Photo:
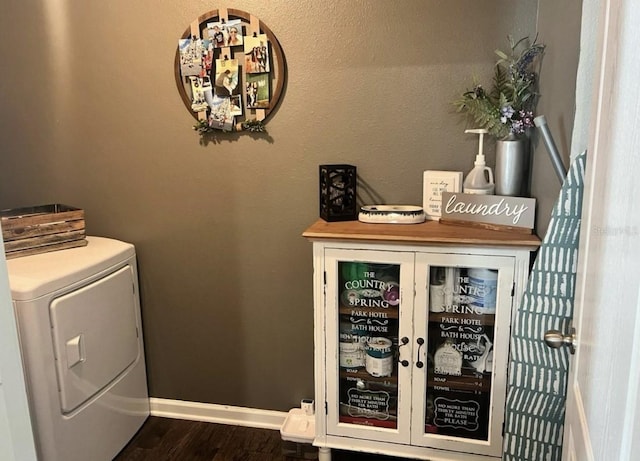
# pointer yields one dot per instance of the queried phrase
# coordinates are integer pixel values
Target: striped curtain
(536, 395)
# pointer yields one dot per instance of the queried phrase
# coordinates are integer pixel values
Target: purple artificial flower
(506, 112)
(527, 118)
(517, 127)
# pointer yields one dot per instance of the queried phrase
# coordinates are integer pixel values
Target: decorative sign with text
(369, 309)
(462, 307)
(498, 210)
(434, 184)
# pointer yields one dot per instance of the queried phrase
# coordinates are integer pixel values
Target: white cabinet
(412, 330)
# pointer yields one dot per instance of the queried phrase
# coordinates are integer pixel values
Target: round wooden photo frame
(276, 73)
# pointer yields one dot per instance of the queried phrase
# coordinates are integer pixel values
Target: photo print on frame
(207, 60)
(226, 78)
(236, 105)
(225, 33)
(191, 52)
(220, 116)
(256, 54)
(234, 33)
(198, 100)
(257, 91)
(216, 32)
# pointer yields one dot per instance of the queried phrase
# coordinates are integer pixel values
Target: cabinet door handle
(404, 341)
(419, 363)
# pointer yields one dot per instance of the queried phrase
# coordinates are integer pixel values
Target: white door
(603, 405)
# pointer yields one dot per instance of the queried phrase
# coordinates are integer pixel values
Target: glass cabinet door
(462, 321)
(369, 302)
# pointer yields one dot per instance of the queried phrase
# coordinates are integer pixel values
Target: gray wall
(90, 116)
(559, 28)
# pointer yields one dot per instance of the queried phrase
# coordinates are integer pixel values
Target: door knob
(555, 339)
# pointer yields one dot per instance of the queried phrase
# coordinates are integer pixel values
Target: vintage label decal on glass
(460, 340)
(369, 404)
(457, 414)
(447, 360)
(369, 306)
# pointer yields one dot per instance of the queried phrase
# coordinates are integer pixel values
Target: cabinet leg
(324, 454)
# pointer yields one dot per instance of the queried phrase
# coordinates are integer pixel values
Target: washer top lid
(31, 277)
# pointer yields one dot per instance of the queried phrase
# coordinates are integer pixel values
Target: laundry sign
(498, 210)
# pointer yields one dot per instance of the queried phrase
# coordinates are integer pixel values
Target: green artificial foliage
(508, 107)
(202, 127)
(256, 126)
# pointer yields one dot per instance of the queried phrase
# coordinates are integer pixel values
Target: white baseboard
(214, 413)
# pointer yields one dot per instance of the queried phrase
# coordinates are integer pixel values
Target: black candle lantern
(338, 193)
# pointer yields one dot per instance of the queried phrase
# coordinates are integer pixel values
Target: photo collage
(220, 83)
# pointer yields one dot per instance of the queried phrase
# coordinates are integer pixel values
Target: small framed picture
(434, 184)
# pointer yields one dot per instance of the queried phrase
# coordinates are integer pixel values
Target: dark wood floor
(163, 439)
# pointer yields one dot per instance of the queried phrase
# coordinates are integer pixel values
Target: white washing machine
(78, 317)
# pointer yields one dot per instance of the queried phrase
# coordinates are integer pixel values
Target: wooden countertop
(429, 232)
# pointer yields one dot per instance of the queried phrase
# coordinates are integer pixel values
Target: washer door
(95, 336)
